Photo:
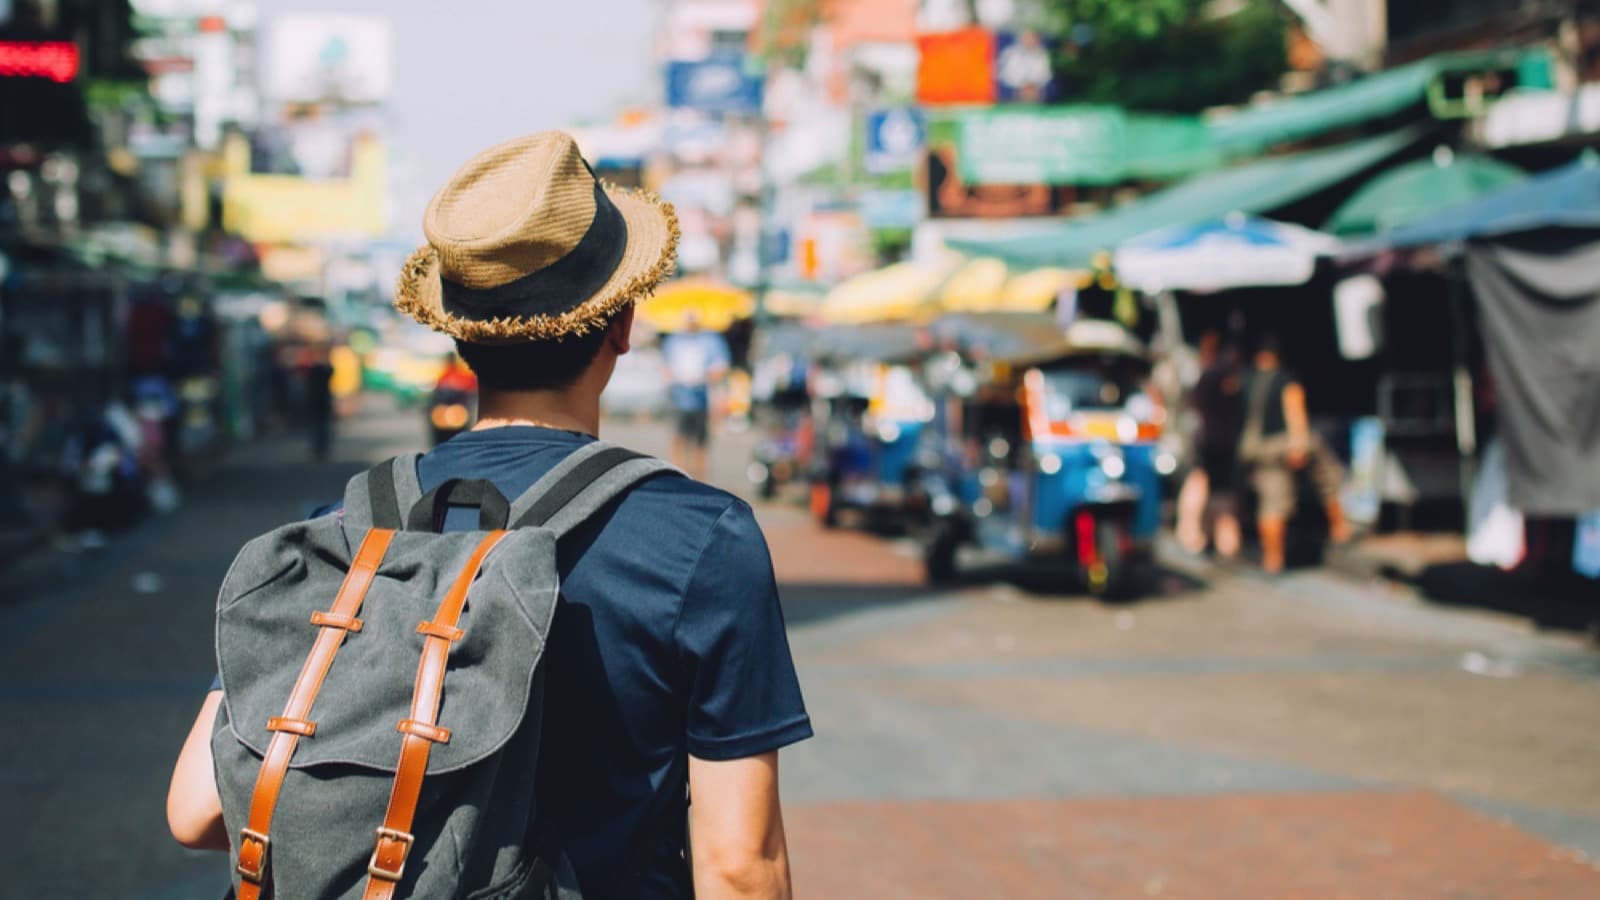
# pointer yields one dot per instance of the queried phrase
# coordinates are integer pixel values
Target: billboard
(1047, 145)
(283, 208)
(952, 197)
(328, 57)
(716, 85)
(1022, 71)
(956, 67)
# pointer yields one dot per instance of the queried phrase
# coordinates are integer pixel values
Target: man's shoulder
(685, 500)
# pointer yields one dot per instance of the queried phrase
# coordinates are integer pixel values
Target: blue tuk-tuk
(1051, 449)
(869, 411)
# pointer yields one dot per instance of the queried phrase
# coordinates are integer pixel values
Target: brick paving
(1372, 846)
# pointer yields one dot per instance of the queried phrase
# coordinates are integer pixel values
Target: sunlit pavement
(1228, 737)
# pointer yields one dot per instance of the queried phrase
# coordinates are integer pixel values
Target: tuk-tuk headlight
(757, 473)
(944, 505)
(889, 432)
(1166, 463)
(1113, 466)
(1127, 429)
(1049, 464)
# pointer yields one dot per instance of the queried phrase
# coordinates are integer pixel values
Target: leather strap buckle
(440, 630)
(434, 733)
(253, 847)
(376, 869)
(335, 620)
(293, 726)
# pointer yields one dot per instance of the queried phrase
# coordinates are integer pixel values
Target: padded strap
(380, 496)
(287, 729)
(570, 494)
(421, 731)
(521, 505)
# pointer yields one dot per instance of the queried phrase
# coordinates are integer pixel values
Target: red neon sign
(55, 60)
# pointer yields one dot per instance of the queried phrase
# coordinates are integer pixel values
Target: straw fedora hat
(525, 244)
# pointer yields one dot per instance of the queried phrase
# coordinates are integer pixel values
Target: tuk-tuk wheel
(1107, 577)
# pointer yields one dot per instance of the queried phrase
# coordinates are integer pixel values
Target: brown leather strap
(421, 730)
(288, 728)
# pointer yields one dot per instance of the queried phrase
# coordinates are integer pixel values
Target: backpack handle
(428, 513)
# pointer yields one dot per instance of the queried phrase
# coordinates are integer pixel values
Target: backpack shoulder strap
(580, 485)
(381, 496)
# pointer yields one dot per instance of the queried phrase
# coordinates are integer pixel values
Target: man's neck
(569, 410)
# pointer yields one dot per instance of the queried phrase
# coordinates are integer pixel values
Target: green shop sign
(1077, 145)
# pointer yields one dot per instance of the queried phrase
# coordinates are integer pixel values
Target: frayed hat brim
(649, 259)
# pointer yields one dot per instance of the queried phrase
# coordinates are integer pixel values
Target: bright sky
(469, 73)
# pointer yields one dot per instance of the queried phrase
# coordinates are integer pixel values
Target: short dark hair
(548, 365)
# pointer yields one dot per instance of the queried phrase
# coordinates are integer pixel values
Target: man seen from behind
(669, 682)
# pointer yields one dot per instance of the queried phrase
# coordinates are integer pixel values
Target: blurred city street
(1175, 423)
(1225, 737)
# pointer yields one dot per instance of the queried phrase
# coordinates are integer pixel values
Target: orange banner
(956, 67)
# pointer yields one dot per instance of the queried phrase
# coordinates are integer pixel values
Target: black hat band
(557, 288)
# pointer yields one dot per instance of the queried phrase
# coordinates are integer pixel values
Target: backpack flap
(264, 633)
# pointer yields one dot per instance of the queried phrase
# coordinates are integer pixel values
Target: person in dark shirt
(1209, 492)
(669, 671)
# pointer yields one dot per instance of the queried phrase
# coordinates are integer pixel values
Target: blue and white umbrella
(1232, 252)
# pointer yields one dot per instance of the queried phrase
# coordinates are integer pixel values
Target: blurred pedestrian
(695, 361)
(1276, 444)
(664, 686)
(1209, 492)
(317, 372)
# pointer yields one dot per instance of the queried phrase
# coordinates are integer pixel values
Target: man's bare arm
(736, 835)
(1299, 424)
(194, 811)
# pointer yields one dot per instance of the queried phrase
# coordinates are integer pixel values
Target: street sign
(718, 85)
(894, 139)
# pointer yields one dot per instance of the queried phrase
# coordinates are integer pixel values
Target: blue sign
(894, 139)
(892, 209)
(716, 85)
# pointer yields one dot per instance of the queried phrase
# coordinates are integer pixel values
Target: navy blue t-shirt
(668, 641)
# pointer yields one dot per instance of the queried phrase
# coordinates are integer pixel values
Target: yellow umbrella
(717, 306)
(901, 291)
(975, 287)
(1034, 291)
(793, 302)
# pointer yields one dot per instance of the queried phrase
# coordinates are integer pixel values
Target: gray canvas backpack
(382, 689)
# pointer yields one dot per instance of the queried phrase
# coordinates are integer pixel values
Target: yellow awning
(717, 306)
(975, 287)
(899, 292)
(1035, 291)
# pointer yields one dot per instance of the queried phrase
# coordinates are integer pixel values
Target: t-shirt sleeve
(744, 696)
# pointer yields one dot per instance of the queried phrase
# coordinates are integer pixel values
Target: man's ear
(619, 335)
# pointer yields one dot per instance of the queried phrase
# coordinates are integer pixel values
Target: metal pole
(1466, 419)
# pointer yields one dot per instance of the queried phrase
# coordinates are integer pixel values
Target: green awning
(1367, 99)
(1418, 189)
(1258, 188)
